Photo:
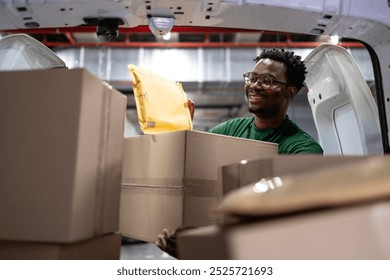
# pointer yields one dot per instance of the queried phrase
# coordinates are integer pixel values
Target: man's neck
(263, 123)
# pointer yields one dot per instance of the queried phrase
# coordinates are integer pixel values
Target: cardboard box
(60, 170)
(171, 179)
(349, 233)
(337, 211)
(240, 174)
(106, 247)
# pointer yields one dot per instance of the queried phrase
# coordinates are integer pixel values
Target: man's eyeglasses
(265, 81)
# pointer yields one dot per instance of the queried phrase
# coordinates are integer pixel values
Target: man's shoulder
(292, 128)
(299, 141)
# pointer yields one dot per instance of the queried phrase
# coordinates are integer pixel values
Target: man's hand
(191, 107)
(167, 242)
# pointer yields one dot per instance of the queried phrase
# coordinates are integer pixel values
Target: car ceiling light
(167, 36)
(334, 39)
(161, 26)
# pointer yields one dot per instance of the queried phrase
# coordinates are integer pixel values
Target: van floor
(132, 249)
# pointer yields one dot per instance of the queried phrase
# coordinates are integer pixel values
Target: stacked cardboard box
(325, 208)
(171, 179)
(62, 136)
(102, 247)
(349, 233)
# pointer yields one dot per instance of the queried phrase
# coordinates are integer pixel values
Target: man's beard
(263, 113)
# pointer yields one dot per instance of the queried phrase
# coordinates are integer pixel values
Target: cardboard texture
(334, 186)
(238, 174)
(174, 180)
(145, 211)
(106, 247)
(61, 155)
(326, 208)
(348, 233)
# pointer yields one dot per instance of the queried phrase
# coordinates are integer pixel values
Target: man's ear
(292, 91)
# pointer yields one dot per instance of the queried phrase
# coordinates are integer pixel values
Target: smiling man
(276, 78)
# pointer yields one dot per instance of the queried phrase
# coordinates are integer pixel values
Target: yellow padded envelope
(162, 104)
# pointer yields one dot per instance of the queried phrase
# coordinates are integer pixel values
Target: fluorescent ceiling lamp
(334, 39)
(167, 36)
(161, 25)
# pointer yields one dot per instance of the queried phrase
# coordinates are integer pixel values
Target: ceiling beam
(73, 35)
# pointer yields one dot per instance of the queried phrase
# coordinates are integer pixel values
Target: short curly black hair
(295, 67)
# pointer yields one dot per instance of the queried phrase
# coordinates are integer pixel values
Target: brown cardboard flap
(334, 186)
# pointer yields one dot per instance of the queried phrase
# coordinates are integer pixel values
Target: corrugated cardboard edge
(107, 214)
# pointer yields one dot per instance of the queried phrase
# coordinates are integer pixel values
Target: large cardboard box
(61, 155)
(349, 233)
(339, 210)
(171, 179)
(106, 247)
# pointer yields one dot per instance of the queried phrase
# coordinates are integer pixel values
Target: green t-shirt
(291, 139)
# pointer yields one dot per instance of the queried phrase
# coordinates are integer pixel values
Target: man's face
(271, 102)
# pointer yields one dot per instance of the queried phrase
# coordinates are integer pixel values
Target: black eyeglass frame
(259, 78)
